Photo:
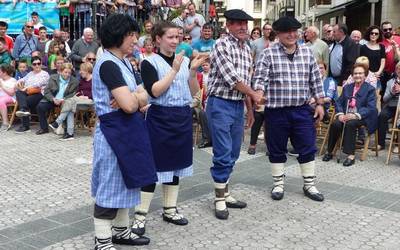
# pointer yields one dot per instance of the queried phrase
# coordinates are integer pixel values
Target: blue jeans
(226, 124)
(294, 123)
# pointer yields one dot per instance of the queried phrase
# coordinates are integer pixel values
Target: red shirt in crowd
(390, 63)
(9, 42)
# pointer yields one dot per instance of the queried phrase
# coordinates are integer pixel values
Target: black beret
(236, 14)
(286, 23)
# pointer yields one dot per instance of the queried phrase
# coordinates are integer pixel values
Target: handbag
(33, 90)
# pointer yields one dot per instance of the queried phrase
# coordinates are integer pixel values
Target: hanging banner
(17, 15)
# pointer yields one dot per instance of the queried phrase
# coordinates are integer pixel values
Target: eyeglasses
(374, 33)
(92, 59)
(388, 29)
(36, 64)
(29, 27)
(187, 38)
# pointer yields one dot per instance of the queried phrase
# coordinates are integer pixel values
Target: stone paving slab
(293, 223)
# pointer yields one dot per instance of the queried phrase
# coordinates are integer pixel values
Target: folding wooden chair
(394, 134)
(323, 130)
(12, 110)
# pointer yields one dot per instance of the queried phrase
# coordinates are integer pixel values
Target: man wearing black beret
(229, 84)
(289, 75)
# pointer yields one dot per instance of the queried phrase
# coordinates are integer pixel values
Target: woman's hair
(148, 40)
(8, 69)
(36, 58)
(398, 65)
(360, 65)
(88, 67)
(52, 45)
(115, 28)
(160, 28)
(368, 33)
(66, 66)
(256, 29)
(323, 63)
(60, 58)
(363, 60)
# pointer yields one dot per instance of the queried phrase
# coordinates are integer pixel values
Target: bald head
(356, 36)
(312, 33)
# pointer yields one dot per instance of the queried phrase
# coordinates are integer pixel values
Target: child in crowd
(5, 57)
(7, 91)
(54, 51)
(23, 69)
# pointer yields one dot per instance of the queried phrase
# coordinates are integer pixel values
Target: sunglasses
(29, 27)
(36, 64)
(187, 38)
(374, 33)
(92, 59)
(329, 31)
(386, 30)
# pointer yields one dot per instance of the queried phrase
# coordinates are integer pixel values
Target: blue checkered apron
(177, 95)
(108, 187)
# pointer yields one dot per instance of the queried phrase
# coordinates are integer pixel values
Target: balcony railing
(319, 2)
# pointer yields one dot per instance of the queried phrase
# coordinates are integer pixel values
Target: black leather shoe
(327, 157)
(42, 131)
(180, 222)
(237, 204)
(348, 162)
(141, 241)
(222, 214)
(251, 151)
(313, 196)
(277, 195)
(204, 145)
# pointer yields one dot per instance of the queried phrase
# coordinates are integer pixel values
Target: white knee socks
(278, 176)
(308, 173)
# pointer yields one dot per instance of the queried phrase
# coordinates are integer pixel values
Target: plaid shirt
(230, 63)
(287, 83)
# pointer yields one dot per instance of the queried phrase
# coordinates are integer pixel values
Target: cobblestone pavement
(45, 202)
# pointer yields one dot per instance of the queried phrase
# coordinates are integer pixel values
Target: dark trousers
(294, 123)
(42, 109)
(386, 114)
(350, 134)
(255, 129)
(205, 132)
(27, 102)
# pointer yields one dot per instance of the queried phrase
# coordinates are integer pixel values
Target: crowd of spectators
(59, 68)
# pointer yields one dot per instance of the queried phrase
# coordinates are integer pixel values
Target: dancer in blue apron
(170, 82)
(123, 160)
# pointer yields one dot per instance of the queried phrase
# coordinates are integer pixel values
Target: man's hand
(258, 97)
(342, 118)
(114, 104)
(250, 119)
(319, 113)
(396, 89)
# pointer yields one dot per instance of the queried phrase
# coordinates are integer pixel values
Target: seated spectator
(330, 89)
(59, 90)
(148, 48)
(148, 26)
(82, 47)
(23, 69)
(90, 58)
(5, 57)
(58, 63)
(25, 43)
(7, 92)
(41, 46)
(371, 78)
(29, 92)
(3, 33)
(81, 101)
(390, 100)
(353, 113)
(54, 52)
